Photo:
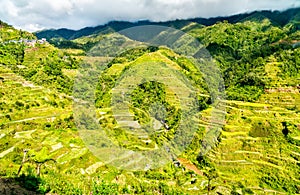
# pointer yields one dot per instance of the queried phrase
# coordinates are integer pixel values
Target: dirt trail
(30, 119)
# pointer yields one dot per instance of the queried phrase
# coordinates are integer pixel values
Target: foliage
(99, 188)
(260, 140)
(279, 181)
(30, 182)
(243, 50)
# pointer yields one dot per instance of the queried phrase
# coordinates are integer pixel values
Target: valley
(256, 150)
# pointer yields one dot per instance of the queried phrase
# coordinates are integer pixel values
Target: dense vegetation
(258, 150)
(242, 51)
(242, 46)
(42, 64)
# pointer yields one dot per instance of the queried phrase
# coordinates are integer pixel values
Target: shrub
(260, 129)
(104, 188)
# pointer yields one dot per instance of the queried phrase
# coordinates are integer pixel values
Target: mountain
(278, 18)
(102, 29)
(45, 91)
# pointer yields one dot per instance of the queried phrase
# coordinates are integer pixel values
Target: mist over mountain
(75, 109)
(35, 15)
(276, 17)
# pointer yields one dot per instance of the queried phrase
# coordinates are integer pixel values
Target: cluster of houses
(30, 43)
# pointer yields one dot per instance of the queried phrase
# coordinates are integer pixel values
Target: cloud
(34, 15)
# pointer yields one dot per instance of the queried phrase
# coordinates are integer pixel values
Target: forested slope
(257, 151)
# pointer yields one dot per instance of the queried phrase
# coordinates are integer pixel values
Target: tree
(211, 174)
(39, 158)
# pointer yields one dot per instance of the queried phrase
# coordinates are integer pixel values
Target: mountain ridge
(257, 152)
(281, 18)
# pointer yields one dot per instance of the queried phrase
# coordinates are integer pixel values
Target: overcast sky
(33, 15)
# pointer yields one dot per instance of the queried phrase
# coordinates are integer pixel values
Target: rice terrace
(184, 105)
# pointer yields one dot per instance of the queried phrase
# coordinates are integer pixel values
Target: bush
(33, 183)
(104, 188)
(260, 129)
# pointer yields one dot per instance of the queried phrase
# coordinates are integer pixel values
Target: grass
(238, 152)
(251, 151)
(47, 123)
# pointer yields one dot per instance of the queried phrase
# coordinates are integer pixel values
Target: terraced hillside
(259, 147)
(257, 151)
(39, 121)
(36, 119)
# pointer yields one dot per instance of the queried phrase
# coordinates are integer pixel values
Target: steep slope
(257, 151)
(253, 139)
